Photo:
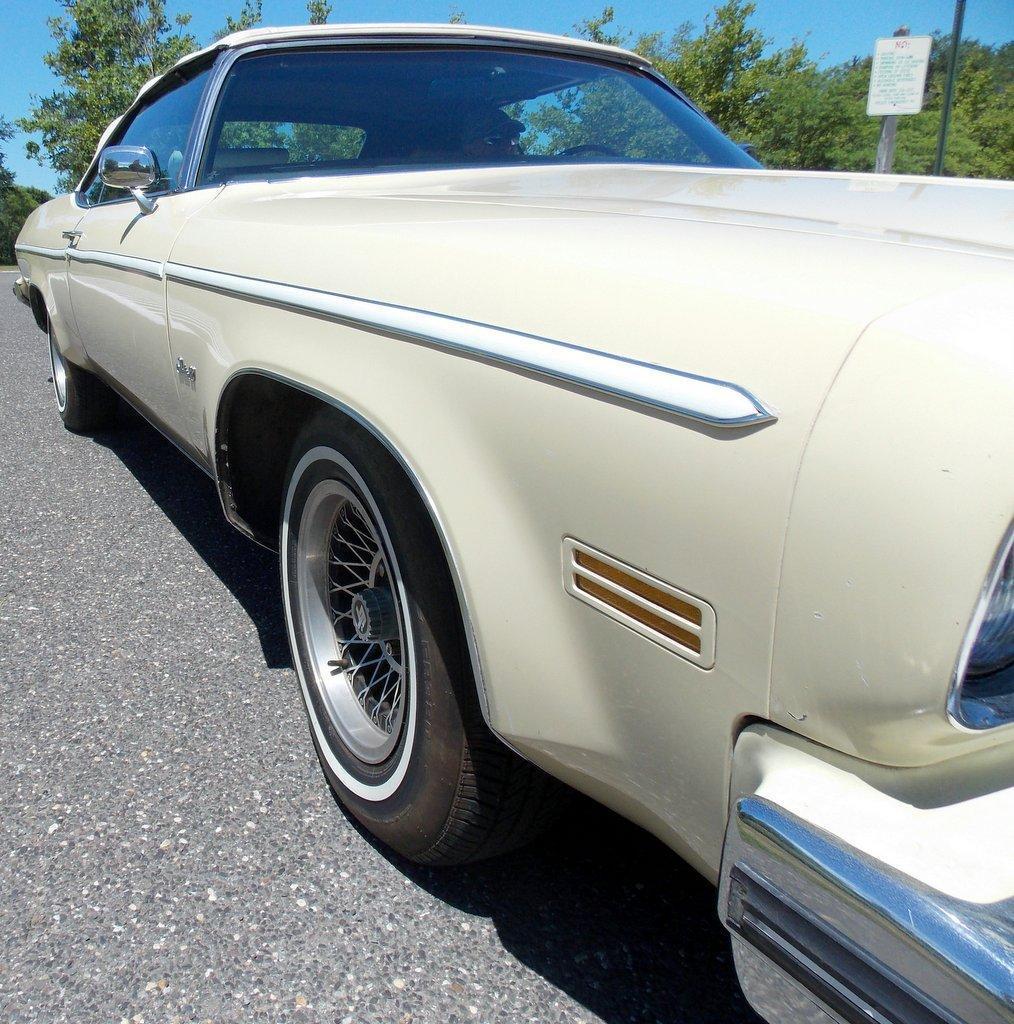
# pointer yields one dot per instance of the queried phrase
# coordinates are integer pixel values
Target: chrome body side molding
(42, 250)
(714, 402)
(135, 264)
(150, 268)
(816, 923)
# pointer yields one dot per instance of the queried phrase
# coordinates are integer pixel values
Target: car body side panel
(515, 463)
(565, 685)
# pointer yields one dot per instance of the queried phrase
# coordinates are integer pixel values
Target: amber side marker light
(678, 621)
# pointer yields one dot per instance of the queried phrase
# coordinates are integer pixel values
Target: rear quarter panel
(48, 270)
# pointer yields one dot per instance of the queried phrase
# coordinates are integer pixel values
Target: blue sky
(833, 29)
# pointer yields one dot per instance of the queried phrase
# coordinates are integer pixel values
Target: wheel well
(258, 421)
(38, 304)
(259, 418)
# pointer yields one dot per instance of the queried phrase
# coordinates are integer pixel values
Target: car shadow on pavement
(190, 500)
(606, 913)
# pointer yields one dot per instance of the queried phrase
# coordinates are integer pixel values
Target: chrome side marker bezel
(680, 622)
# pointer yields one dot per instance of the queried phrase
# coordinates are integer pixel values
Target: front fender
(905, 491)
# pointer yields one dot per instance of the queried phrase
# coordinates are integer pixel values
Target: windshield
(292, 112)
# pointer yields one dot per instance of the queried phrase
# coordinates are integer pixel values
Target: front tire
(83, 401)
(380, 650)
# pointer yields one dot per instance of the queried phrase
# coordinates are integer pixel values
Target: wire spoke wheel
(349, 593)
(381, 651)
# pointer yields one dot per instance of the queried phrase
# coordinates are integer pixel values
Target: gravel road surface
(170, 850)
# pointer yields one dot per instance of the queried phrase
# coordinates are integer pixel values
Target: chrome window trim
(223, 60)
(202, 123)
(229, 57)
(715, 403)
(955, 713)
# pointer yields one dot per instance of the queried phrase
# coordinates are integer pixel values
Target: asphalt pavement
(169, 850)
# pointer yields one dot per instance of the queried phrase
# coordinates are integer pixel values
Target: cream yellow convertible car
(593, 452)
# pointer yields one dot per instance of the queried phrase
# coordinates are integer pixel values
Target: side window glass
(164, 127)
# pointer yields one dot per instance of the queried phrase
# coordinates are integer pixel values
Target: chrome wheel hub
(353, 619)
(373, 614)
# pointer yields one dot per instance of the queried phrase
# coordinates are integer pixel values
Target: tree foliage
(105, 51)
(799, 115)
(318, 11)
(16, 203)
(249, 16)
(6, 134)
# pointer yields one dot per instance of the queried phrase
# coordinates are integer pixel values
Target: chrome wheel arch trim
(453, 563)
(715, 403)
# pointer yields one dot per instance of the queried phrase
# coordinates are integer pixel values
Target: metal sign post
(897, 82)
(952, 68)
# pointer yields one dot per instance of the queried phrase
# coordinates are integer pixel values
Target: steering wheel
(590, 147)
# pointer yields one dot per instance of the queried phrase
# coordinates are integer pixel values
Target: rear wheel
(84, 402)
(379, 646)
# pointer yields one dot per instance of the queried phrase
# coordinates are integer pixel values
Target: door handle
(72, 236)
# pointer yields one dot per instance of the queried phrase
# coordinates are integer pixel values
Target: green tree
(249, 16)
(798, 115)
(727, 68)
(16, 203)
(105, 51)
(981, 140)
(319, 11)
(457, 16)
(602, 30)
(6, 177)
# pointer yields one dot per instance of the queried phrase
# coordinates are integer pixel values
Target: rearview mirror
(131, 167)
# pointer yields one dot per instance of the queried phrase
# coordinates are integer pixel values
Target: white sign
(898, 77)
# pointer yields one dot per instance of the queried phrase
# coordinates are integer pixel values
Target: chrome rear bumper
(821, 929)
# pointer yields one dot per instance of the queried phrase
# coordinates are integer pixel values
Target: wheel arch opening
(258, 421)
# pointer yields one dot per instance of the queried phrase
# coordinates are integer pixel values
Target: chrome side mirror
(133, 168)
